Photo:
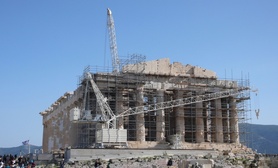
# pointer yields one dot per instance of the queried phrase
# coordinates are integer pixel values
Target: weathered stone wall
(164, 67)
(58, 130)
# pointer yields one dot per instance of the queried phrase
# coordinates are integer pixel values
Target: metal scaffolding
(211, 120)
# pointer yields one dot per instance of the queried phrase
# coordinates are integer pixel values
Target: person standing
(62, 163)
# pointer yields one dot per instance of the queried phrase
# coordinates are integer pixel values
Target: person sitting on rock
(170, 162)
(97, 163)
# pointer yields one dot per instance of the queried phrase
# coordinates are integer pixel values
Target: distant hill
(263, 138)
(23, 149)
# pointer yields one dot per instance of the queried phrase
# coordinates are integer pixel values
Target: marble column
(45, 137)
(179, 116)
(119, 109)
(160, 118)
(218, 121)
(234, 122)
(199, 123)
(208, 121)
(140, 121)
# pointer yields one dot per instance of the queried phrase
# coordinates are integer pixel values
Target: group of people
(13, 161)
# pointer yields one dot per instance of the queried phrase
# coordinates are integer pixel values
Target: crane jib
(181, 102)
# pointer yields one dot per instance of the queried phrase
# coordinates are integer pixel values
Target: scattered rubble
(226, 159)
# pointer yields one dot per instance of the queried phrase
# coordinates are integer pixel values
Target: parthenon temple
(197, 120)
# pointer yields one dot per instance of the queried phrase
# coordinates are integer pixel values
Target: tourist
(97, 163)
(170, 162)
(62, 163)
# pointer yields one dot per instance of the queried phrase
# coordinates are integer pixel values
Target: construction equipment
(179, 102)
(107, 131)
(106, 111)
(113, 43)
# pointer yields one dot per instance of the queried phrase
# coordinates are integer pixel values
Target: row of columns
(215, 126)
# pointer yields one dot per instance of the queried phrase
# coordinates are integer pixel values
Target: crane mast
(112, 41)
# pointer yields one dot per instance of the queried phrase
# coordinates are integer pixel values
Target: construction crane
(108, 131)
(179, 102)
(113, 43)
(106, 112)
(148, 108)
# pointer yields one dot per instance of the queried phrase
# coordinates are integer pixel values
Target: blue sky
(45, 45)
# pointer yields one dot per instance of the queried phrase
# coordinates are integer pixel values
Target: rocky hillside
(264, 138)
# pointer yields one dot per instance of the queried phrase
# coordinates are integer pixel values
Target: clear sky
(45, 45)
